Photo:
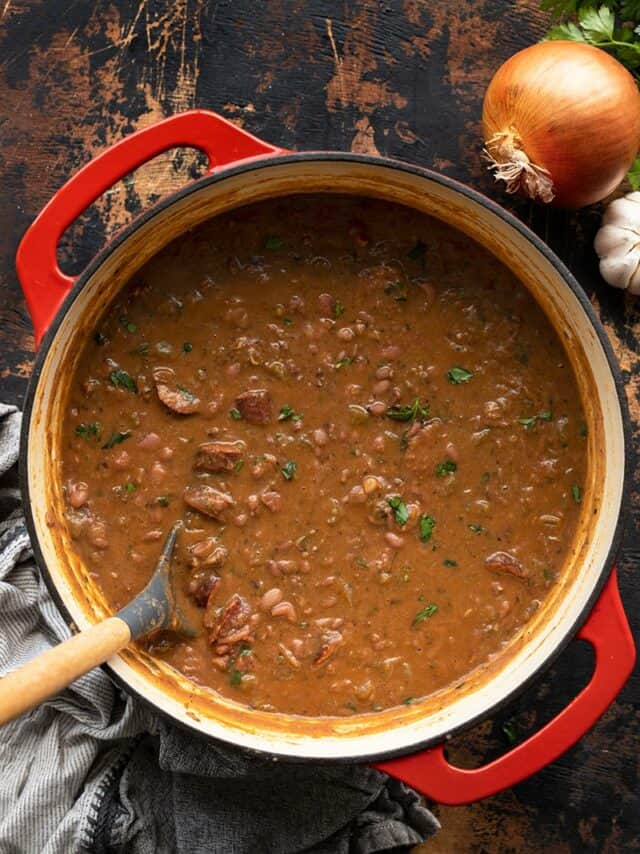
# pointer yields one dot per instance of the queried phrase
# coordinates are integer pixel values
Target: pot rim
(265, 162)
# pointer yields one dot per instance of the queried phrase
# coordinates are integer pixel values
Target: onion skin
(573, 111)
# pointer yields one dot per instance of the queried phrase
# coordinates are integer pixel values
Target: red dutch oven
(407, 743)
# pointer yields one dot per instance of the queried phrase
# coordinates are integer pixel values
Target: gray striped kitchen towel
(93, 772)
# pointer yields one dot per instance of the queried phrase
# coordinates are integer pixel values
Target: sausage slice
(255, 406)
(218, 456)
(176, 398)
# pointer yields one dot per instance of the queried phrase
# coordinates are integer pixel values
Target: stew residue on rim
(372, 433)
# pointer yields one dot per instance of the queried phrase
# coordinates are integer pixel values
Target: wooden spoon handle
(57, 668)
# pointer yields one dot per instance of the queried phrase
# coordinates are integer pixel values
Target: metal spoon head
(155, 607)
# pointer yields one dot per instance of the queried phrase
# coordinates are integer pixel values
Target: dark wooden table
(405, 79)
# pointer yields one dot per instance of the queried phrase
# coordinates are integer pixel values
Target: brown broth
(410, 498)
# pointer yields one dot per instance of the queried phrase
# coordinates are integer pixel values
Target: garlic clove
(626, 209)
(621, 270)
(614, 239)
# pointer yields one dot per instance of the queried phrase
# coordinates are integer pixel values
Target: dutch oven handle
(607, 630)
(43, 283)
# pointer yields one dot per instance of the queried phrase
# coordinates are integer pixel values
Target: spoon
(152, 609)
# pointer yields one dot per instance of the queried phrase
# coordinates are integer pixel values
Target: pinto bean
(272, 500)
(284, 609)
(270, 598)
(507, 563)
(77, 494)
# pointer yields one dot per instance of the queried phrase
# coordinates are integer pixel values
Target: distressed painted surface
(403, 78)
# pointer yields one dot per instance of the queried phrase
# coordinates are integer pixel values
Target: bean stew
(371, 431)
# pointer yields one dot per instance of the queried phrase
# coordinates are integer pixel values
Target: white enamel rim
(489, 225)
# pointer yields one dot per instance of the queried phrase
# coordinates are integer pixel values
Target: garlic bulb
(618, 243)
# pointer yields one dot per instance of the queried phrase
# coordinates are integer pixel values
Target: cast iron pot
(406, 742)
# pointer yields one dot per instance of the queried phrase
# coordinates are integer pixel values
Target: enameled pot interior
(396, 730)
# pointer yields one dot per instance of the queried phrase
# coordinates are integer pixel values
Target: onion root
(510, 163)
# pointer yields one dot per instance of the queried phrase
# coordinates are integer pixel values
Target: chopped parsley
(529, 423)
(287, 321)
(341, 363)
(130, 486)
(121, 379)
(426, 524)
(162, 500)
(576, 493)
(289, 469)
(286, 413)
(235, 678)
(187, 347)
(126, 324)
(425, 613)
(548, 573)
(477, 529)
(117, 438)
(445, 468)
(142, 349)
(273, 242)
(407, 701)
(237, 467)
(99, 338)
(188, 395)
(484, 477)
(459, 375)
(584, 430)
(400, 512)
(510, 732)
(448, 562)
(362, 562)
(418, 252)
(88, 429)
(412, 412)
(338, 310)
(235, 414)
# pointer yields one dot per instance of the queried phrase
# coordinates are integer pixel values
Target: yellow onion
(561, 123)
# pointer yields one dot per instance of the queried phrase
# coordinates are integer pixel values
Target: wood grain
(404, 78)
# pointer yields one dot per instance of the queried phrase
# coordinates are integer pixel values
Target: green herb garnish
(362, 562)
(121, 379)
(142, 349)
(287, 321)
(510, 731)
(426, 524)
(425, 613)
(187, 347)
(88, 429)
(484, 477)
(162, 500)
(99, 338)
(459, 375)
(235, 678)
(237, 467)
(413, 412)
(477, 529)
(407, 701)
(117, 438)
(286, 412)
(400, 512)
(188, 395)
(448, 562)
(130, 487)
(576, 493)
(272, 242)
(338, 310)
(445, 468)
(529, 423)
(126, 324)
(289, 469)
(584, 430)
(235, 414)
(342, 363)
